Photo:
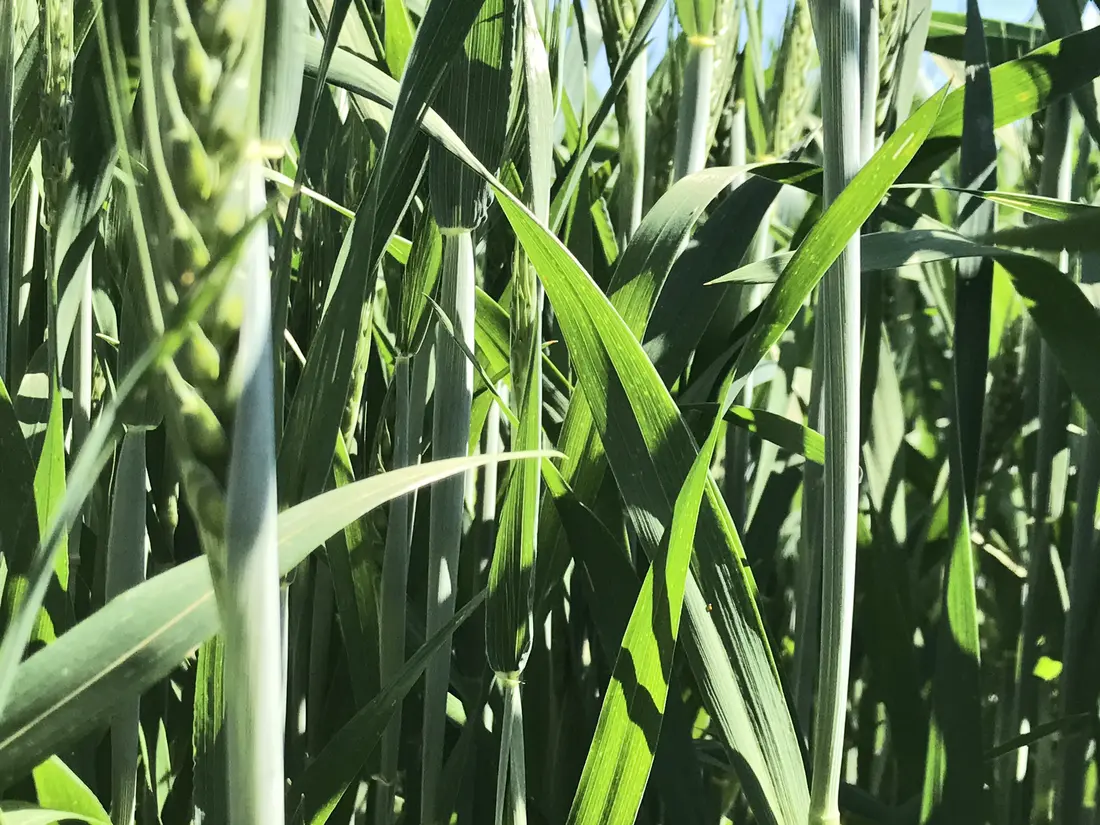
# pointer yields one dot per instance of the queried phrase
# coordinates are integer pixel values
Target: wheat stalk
(202, 121)
(7, 69)
(474, 99)
(617, 19)
(56, 30)
(836, 25)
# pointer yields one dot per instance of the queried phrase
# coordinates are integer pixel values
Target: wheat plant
(519, 411)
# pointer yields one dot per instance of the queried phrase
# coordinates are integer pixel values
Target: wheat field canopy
(492, 412)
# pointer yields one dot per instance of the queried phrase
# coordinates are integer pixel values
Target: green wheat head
(789, 94)
(56, 27)
(892, 16)
(1036, 137)
(205, 135)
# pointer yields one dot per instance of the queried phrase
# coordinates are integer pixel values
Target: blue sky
(775, 11)
(1014, 10)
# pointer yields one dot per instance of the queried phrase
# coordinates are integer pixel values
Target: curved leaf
(1005, 41)
(779, 430)
(59, 788)
(72, 685)
(1067, 320)
(1020, 88)
(650, 450)
(15, 813)
(1043, 207)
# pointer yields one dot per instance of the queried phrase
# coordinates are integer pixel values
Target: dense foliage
(399, 423)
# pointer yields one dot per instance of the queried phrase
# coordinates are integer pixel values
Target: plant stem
(21, 287)
(837, 29)
(53, 353)
(296, 599)
(738, 140)
(808, 605)
(1083, 569)
(1054, 182)
(511, 800)
(320, 645)
(733, 480)
(869, 75)
(82, 393)
(395, 576)
(752, 295)
(454, 383)
(7, 82)
(490, 476)
(1076, 695)
(693, 129)
(251, 605)
(631, 186)
(420, 383)
(126, 556)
